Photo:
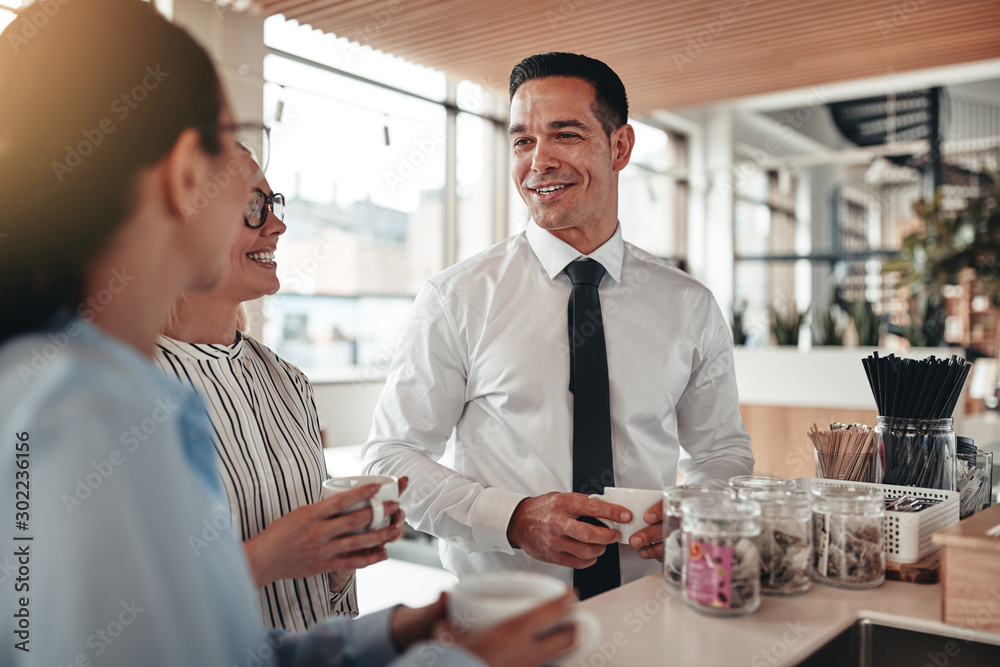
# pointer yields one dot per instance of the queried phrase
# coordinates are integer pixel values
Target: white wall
(345, 411)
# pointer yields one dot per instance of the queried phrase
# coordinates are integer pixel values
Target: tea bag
(746, 572)
(849, 549)
(673, 557)
(785, 560)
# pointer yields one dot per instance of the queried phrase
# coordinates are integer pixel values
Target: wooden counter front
(778, 435)
(970, 572)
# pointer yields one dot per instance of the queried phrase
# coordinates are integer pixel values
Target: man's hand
(546, 528)
(649, 540)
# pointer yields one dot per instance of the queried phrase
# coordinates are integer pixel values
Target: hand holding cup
(323, 537)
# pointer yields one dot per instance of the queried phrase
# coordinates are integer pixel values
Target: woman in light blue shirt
(123, 548)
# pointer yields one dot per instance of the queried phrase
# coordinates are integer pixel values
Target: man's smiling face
(564, 165)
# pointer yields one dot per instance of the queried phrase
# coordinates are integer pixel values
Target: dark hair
(94, 92)
(610, 102)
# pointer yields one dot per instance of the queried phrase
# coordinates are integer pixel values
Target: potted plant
(739, 329)
(951, 241)
(831, 323)
(785, 326)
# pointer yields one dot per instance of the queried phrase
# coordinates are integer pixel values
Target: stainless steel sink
(870, 642)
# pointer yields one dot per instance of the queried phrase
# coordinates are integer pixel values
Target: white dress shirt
(485, 360)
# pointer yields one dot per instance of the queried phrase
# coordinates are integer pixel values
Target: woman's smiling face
(253, 271)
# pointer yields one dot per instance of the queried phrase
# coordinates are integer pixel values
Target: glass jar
(673, 553)
(721, 573)
(762, 483)
(918, 452)
(849, 536)
(849, 467)
(975, 478)
(786, 533)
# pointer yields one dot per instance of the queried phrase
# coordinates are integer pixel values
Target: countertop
(646, 623)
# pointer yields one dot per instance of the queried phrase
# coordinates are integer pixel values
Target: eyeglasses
(255, 137)
(255, 212)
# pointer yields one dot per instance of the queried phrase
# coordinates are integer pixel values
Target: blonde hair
(170, 321)
(241, 319)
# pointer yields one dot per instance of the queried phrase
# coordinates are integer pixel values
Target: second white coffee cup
(481, 601)
(636, 501)
(388, 491)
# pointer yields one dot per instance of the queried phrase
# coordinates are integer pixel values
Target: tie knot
(586, 271)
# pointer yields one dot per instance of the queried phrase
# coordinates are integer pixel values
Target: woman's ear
(186, 176)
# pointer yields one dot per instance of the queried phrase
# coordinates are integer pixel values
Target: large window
(652, 199)
(360, 148)
(770, 277)
(6, 16)
(362, 169)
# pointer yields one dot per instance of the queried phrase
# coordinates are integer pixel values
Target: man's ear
(622, 141)
(186, 170)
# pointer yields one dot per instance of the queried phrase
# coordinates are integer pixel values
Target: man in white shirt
(486, 358)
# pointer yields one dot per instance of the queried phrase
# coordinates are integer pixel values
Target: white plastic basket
(907, 534)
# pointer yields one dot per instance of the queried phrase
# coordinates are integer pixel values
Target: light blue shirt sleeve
(131, 557)
(126, 555)
(363, 642)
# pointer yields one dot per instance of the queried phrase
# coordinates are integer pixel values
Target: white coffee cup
(480, 601)
(636, 501)
(388, 491)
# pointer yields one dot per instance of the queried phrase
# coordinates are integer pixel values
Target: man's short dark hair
(610, 102)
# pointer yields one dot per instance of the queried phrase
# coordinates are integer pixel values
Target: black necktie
(593, 463)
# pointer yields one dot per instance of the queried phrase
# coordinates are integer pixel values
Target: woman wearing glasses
(266, 432)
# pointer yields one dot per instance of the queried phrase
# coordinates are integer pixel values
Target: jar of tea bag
(673, 552)
(849, 536)
(785, 540)
(762, 483)
(721, 573)
(975, 478)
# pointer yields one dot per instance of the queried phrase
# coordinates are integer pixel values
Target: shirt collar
(204, 351)
(555, 254)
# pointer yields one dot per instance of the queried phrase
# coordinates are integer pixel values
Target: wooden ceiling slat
(419, 22)
(773, 45)
(430, 25)
(727, 62)
(648, 40)
(731, 58)
(786, 41)
(758, 29)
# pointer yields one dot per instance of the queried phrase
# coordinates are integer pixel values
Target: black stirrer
(914, 381)
(954, 370)
(902, 372)
(888, 386)
(933, 382)
(877, 390)
(871, 382)
(956, 391)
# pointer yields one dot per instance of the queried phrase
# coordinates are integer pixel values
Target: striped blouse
(266, 433)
